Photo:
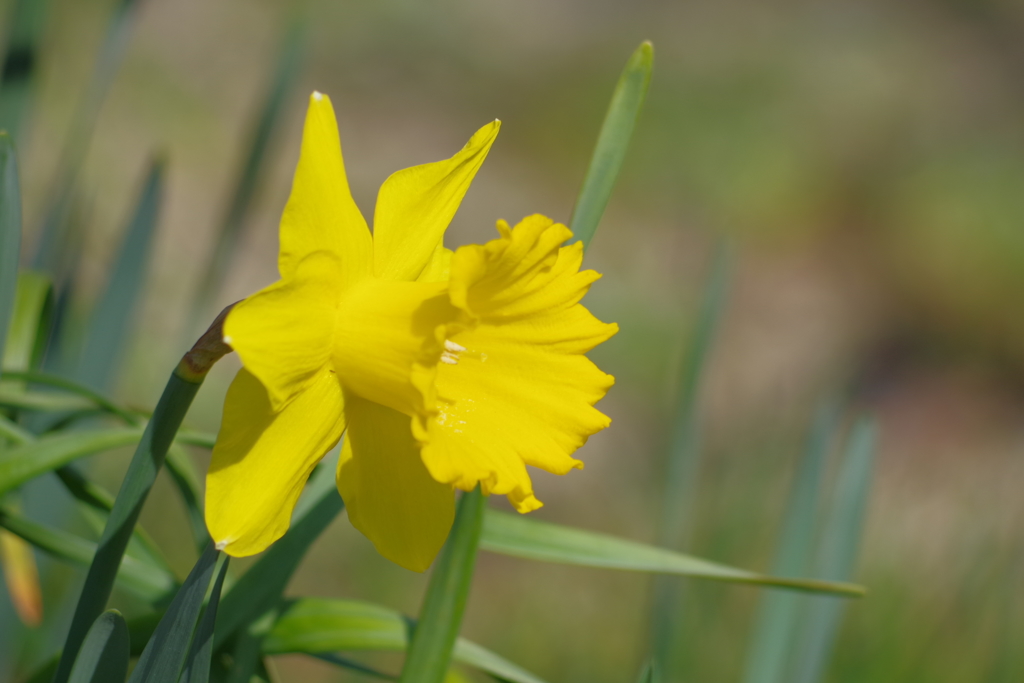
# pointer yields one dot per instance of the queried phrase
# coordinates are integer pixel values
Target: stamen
(451, 352)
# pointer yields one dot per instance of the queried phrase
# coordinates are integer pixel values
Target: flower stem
(433, 638)
(146, 463)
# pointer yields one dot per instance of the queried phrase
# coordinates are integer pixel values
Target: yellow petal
(389, 495)
(415, 206)
(262, 459)
(388, 338)
(283, 333)
(516, 389)
(438, 267)
(320, 214)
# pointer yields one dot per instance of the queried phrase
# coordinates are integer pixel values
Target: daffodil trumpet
(443, 370)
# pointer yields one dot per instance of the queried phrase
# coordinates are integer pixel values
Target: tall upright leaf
(53, 240)
(104, 654)
(20, 63)
(777, 618)
(164, 657)
(684, 464)
(10, 234)
(289, 62)
(110, 324)
(837, 553)
(433, 638)
(200, 654)
(612, 143)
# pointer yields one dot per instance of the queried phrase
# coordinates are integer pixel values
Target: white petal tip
(317, 95)
(221, 545)
(227, 339)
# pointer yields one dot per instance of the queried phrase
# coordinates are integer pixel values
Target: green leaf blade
(612, 143)
(10, 234)
(197, 665)
(23, 463)
(146, 463)
(104, 654)
(837, 554)
(319, 626)
(164, 656)
(778, 614)
(149, 581)
(521, 536)
(437, 629)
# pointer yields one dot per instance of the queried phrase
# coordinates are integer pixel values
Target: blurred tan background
(864, 158)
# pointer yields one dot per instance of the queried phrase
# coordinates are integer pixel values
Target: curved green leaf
(104, 654)
(148, 581)
(320, 625)
(22, 463)
(522, 536)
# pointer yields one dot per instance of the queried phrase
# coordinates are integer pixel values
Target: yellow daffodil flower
(447, 370)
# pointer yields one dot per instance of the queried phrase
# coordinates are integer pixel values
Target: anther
(449, 345)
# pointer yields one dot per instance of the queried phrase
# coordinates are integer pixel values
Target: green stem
(434, 635)
(146, 463)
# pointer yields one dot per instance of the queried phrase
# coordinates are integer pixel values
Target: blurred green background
(864, 160)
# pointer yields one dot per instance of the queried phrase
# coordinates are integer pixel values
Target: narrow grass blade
(319, 626)
(20, 63)
(54, 240)
(164, 656)
(91, 397)
(22, 578)
(684, 464)
(612, 143)
(521, 536)
(29, 324)
(110, 325)
(145, 465)
(200, 655)
(10, 234)
(104, 654)
(776, 626)
(837, 554)
(289, 62)
(147, 581)
(45, 403)
(22, 463)
(260, 589)
(434, 636)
